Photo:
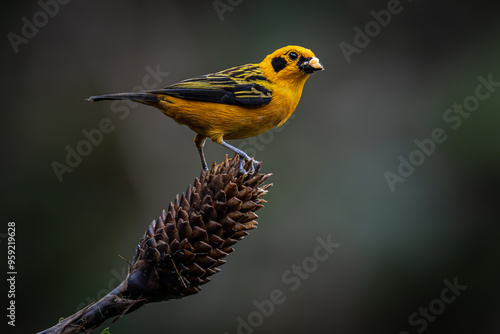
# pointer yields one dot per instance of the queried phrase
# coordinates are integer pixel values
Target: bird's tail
(137, 96)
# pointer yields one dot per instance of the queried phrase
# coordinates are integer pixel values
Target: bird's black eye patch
(293, 55)
(278, 64)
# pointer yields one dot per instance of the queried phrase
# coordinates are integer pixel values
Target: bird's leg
(243, 157)
(199, 141)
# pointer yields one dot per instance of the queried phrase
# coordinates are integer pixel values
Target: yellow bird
(240, 102)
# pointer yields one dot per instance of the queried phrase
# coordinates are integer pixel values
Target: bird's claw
(243, 161)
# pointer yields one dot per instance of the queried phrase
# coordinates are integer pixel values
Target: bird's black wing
(244, 85)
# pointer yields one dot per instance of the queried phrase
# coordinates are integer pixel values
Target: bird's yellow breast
(215, 120)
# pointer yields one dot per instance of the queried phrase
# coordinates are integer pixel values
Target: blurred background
(355, 123)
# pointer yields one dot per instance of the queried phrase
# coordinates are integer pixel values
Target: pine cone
(185, 246)
(187, 243)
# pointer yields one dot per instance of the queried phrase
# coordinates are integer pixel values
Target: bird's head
(291, 63)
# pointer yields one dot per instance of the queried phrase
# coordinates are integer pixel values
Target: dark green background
(352, 123)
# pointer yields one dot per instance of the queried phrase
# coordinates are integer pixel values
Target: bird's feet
(243, 158)
(243, 161)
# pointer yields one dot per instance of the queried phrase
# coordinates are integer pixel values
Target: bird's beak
(311, 65)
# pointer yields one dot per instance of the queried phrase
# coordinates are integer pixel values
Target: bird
(236, 103)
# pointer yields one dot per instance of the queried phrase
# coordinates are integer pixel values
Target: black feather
(139, 96)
